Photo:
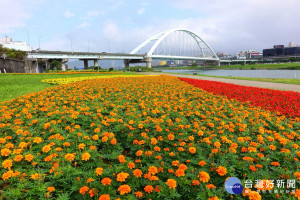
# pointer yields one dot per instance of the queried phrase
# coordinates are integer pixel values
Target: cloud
(141, 11)
(83, 25)
(12, 20)
(111, 31)
(68, 14)
(234, 25)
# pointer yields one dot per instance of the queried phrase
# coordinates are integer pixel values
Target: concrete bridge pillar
(148, 62)
(126, 63)
(86, 64)
(64, 67)
(96, 62)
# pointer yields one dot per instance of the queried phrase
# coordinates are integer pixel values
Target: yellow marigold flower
(99, 171)
(172, 184)
(81, 146)
(37, 140)
(86, 156)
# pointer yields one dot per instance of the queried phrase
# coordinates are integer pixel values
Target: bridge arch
(205, 51)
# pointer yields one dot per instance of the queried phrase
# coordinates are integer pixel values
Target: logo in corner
(233, 185)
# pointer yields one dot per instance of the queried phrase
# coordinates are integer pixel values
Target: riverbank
(288, 66)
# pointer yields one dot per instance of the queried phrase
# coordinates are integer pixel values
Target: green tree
(55, 64)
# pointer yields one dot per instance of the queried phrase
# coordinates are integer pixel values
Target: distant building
(248, 54)
(223, 55)
(292, 44)
(281, 51)
(10, 44)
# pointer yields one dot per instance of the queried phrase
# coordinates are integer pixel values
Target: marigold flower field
(151, 137)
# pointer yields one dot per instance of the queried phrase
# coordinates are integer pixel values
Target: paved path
(270, 85)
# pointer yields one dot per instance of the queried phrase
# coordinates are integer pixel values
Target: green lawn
(274, 80)
(14, 85)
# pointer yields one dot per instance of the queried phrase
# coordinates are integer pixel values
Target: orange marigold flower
(202, 163)
(70, 157)
(18, 158)
(104, 197)
(204, 176)
(37, 140)
(50, 189)
(179, 172)
(99, 171)
(297, 174)
(121, 159)
(148, 188)
(272, 147)
(211, 186)
(138, 194)
(5, 152)
(81, 146)
(124, 189)
(7, 163)
(195, 182)
(106, 181)
(46, 148)
(182, 166)
(252, 168)
(172, 184)
(131, 165)
(122, 176)
(275, 164)
(213, 198)
(113, 141)
(222, 171)
(7, 175)
(192, 150)
(152, 170)
(83, 190)
(35, 176)
(297, 193)
(254, 195)
(137, 173)
(86, 156)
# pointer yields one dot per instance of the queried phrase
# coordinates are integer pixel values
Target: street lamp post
(40, 42)
(71, 43)
(27, 37)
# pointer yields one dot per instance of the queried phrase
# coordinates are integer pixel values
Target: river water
(292, 74)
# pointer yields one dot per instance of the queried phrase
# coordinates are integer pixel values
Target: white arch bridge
(175, 44)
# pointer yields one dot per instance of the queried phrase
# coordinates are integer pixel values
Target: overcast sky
(121, 25)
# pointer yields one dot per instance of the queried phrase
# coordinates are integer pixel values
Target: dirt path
(270, 85)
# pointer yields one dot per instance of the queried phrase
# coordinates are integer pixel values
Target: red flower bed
(285, 102)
